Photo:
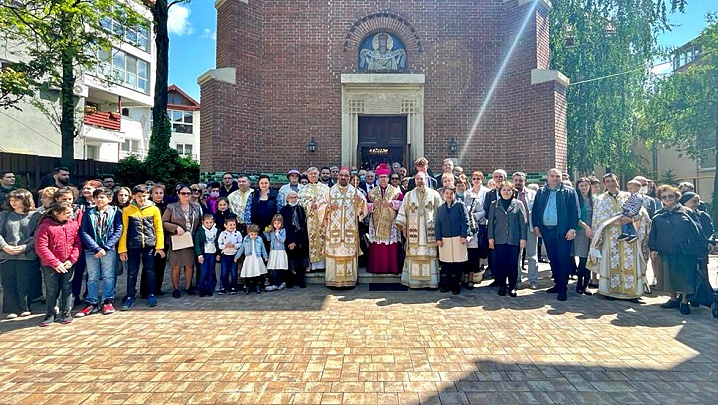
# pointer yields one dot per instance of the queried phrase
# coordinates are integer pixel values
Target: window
(707, 159)
(184, 149)
(131, 146)
(91, 152)
(181, 121)
(124, 69)
(137, 36)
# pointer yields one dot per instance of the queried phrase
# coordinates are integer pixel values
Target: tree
(682, 111)
(606, 47)
(57, 40)
(161, 158)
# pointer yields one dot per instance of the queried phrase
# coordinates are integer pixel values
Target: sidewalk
(317, 346)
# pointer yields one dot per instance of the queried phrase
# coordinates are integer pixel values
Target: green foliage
(52, 40)
(615, 41)
(668, 177)
(130, 171)
(682, 110)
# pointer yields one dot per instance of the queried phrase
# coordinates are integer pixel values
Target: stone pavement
(317, 346)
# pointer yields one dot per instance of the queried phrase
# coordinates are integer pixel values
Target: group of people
(439, 232)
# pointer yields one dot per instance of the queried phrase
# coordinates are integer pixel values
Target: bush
(130, 171)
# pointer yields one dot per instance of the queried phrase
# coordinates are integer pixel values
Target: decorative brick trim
(383, 20)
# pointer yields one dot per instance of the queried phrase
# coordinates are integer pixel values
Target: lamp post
(312, 145)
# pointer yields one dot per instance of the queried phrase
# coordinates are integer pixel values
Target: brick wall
(289, 58)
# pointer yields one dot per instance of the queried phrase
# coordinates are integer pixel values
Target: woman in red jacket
(58, 246)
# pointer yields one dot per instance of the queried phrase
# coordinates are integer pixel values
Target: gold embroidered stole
(341, 225)
(383, 217)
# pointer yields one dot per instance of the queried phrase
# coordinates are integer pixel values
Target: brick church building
(302, 83)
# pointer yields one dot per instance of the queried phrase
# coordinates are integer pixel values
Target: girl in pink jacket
(58, 246)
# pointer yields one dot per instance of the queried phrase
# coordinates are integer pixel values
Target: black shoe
(631, 239)
(470, 286)
(623, 236)
(444, 289)
(512, 293)
(592, 285)
(494, 284)
(302, 285)
(190, 291)
(176, 294)
(502, 291)
(561, 296)
(552, 290)
(456, 292)
(685, 309)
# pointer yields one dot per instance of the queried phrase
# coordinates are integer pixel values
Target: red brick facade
(289, 57)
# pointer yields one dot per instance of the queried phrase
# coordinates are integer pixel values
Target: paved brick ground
(317, 346)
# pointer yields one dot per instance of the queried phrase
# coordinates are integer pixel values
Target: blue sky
(193, 31)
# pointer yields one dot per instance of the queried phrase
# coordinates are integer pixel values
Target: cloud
(178, 20)
(207, 33)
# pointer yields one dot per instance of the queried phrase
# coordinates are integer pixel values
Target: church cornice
(383, 20)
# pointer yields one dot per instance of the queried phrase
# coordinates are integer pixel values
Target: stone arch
(384, 20)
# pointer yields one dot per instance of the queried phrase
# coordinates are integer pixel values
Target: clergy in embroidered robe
(310, 198)
(621, 265)
(417, 220)
(341, 208)
(384, 237)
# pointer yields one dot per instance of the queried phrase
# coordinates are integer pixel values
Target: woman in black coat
(297, 242)
(507, 232)
(679, 242)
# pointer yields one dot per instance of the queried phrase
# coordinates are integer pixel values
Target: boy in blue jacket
(100, 231)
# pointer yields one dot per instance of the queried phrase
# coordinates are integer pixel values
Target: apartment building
(113, 101)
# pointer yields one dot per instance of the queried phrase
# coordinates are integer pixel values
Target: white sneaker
(26, 313)
(11, 316)
(271, 288)
(282, 286)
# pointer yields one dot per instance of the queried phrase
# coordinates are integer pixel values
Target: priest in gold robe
(310, 199)
(620, 264)
(384, 238)
(417, 220)
(341, 208)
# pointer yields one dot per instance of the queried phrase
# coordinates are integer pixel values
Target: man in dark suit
(369, 181)
(422, 165)
(555, 217)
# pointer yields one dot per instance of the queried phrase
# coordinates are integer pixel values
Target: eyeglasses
(668, 197)
(184, 193)
(394, 178)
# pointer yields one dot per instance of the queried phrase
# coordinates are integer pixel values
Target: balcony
(102, 119)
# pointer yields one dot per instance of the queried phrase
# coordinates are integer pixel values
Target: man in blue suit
(555, 217)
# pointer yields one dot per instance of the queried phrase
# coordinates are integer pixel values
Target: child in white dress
(278, 263)
(255, 255)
